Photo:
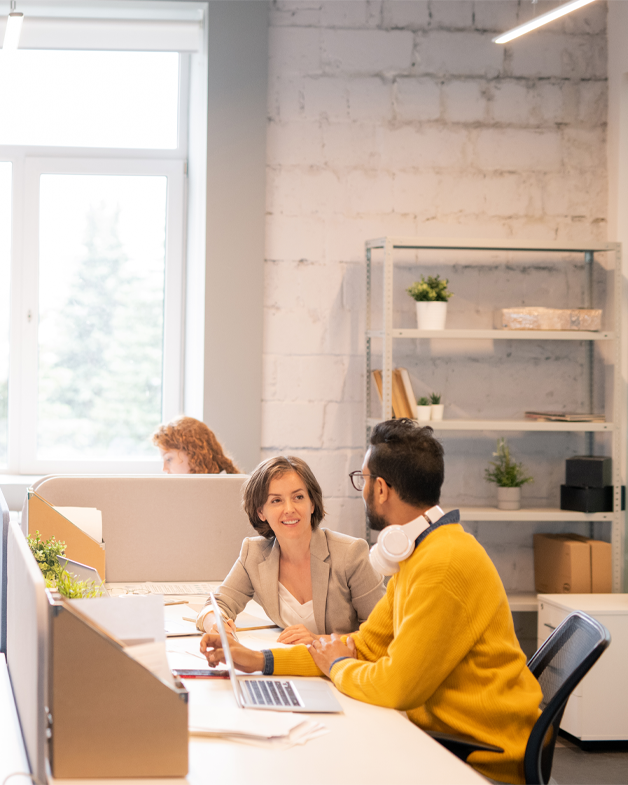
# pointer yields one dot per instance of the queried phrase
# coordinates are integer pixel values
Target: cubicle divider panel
(27, 646)
(161, 528)
(111, 717)
(4, 533)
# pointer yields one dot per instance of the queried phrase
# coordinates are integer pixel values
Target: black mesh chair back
(559, 665)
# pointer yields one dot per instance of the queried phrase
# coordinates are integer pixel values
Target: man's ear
(382, 490)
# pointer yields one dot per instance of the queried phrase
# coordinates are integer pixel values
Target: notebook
(299, 695)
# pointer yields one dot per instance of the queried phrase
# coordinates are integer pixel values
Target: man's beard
(375, 521)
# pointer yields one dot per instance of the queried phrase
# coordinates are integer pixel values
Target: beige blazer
(345, 587)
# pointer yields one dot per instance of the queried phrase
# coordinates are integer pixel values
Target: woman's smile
(288, 508)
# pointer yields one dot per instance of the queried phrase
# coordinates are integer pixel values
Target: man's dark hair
(408, 458)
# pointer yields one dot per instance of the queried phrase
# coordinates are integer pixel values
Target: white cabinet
(598, 707)
(388, 260)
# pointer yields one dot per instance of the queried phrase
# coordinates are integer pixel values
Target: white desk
(12, 753)
(367, 744)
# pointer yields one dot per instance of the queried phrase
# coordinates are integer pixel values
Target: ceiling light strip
(539, 21)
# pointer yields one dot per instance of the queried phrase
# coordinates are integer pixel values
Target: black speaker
(589, 471)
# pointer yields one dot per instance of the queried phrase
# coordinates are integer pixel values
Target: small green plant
(423, 401)
(506, 473)
(56, 576)
(430, 290)
(72, 588)
(46, 553)
(435, 398)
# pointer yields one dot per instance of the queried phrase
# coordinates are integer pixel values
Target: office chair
(559, 666)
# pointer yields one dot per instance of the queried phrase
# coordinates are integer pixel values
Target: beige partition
(27, 646)
(160, 528)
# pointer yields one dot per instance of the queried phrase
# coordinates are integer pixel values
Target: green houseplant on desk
(46, 555)
(508, 475)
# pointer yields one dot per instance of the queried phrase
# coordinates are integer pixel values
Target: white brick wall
(401, 117)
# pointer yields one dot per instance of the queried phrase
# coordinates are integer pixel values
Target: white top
(292, 612)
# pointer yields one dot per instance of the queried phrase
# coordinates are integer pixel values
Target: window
(93, 161)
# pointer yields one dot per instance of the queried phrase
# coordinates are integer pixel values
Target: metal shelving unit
(387, 334)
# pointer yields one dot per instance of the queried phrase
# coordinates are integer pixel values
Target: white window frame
(28, 308)
(28, 163)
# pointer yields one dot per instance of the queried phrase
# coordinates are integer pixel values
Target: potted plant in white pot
(508, 475)
(436, 407)
(424, 410)
(431, 296)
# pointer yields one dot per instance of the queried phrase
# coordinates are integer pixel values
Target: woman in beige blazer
(310, 581)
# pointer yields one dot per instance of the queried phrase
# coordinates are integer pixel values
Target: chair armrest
(462, 746)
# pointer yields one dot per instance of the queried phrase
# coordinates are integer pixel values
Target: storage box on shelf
(387, 334)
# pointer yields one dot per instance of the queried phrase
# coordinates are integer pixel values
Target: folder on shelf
(111, 716)
(402, 406)
(49, 522)
(410, 396)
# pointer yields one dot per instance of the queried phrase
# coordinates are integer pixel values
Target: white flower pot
(431, 315)
(508, 498)
(423, 413)
(437, 410)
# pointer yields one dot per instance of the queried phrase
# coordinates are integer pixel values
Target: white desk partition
(27, 645)
(160, 528)
(4, 532)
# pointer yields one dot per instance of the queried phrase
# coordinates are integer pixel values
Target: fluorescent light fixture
(14, 27)
(539, 21)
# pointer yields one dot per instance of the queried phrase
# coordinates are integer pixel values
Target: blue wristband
(338, 659)
(269, 662)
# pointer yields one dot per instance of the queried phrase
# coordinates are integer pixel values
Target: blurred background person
(188, 446)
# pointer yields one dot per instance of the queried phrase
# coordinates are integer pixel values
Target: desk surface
(366, 744)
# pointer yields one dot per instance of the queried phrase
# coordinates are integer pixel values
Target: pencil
(261, 627)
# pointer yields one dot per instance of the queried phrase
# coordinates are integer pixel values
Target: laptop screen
(224, 640)
(83, 572)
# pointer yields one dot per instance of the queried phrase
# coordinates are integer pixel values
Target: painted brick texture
(404, 118)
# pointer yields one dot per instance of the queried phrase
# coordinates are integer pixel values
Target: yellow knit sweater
(441, 645)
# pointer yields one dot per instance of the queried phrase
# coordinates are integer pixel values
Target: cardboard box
(561, 565)
(601, 565)
(537, 318)
(571, 564)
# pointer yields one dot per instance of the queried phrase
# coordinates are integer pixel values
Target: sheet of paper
(180, 588)
(131, 619)
(153, 657)
(202, 716)
(88, 519)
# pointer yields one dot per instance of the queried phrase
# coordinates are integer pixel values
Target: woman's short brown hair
(198, 442)
(255, 491)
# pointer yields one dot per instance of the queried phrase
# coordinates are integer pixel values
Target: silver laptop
(308, 695)
(83, 573)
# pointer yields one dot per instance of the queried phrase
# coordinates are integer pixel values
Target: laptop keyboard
(271, 693)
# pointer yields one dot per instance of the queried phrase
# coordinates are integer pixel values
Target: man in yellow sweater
(441, 643)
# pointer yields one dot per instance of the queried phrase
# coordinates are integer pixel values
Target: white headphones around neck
(396, 543)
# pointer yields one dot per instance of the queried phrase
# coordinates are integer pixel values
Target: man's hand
(296, 633)
(324, 651)
(245, 659)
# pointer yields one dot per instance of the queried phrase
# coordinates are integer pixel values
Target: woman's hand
(209, 624)
(326, 650)
(244, 659)
(296, 633)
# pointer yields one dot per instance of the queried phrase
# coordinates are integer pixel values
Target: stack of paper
(278, 730)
